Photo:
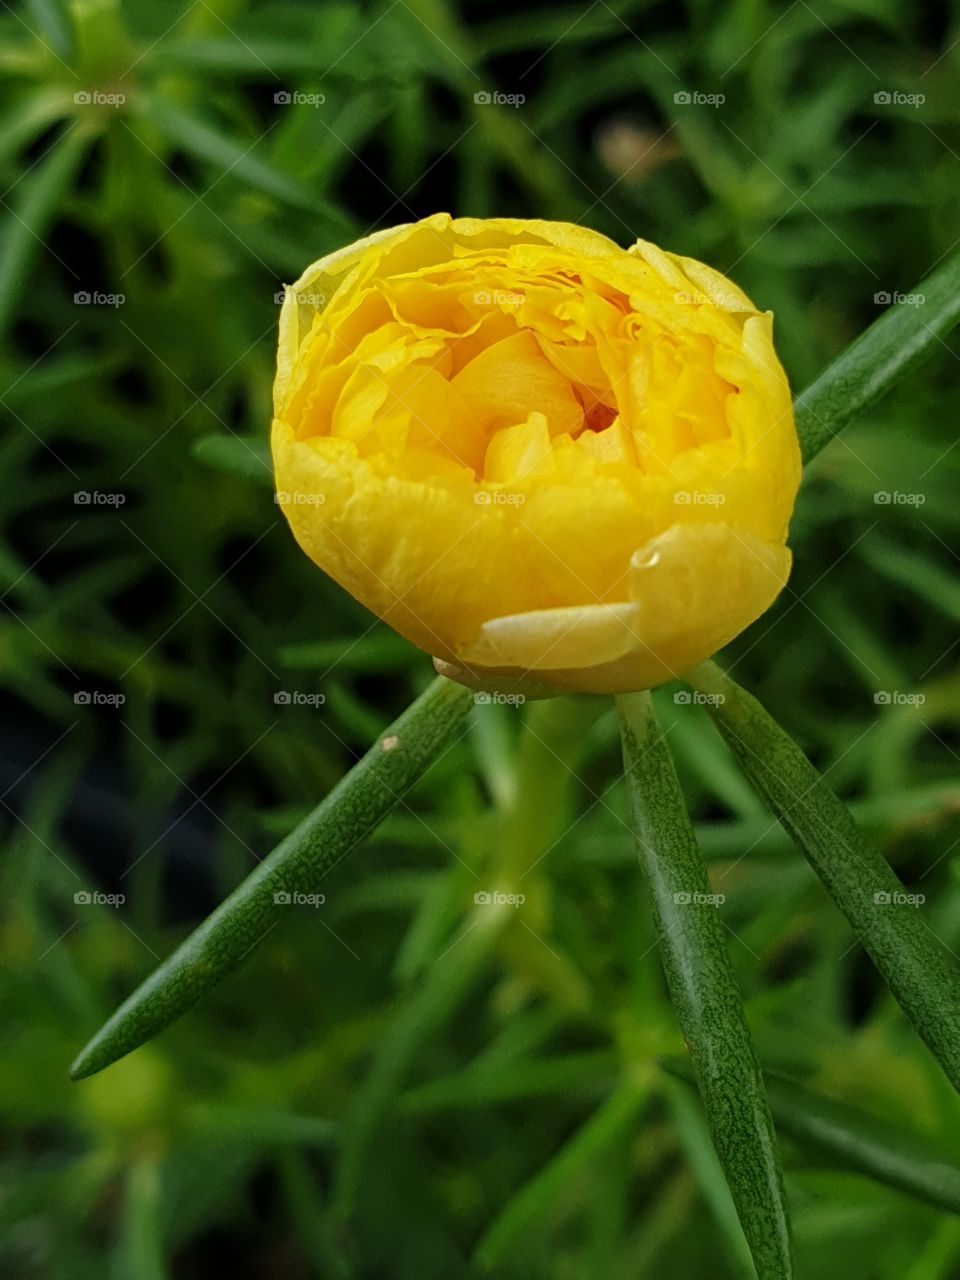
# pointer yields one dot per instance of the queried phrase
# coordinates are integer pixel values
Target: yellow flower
(533, 453)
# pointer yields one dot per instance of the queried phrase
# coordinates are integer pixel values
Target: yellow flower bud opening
(533, 453)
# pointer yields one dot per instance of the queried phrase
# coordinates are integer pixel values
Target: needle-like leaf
(30, 212)
(894, 344)
(351, 810)
(916, 963)
(703, 990)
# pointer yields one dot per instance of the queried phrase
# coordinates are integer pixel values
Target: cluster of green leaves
(406, 1082)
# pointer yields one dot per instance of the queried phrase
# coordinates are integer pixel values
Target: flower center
(482, 368)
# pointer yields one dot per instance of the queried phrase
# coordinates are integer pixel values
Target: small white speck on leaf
(391, 743)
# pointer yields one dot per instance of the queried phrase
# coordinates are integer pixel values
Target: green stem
(915, 963)
(341, 821)
(703, 990)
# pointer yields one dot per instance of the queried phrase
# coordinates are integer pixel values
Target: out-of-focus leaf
(54, 25)
(29, 214)
(536, 1198)
(249, 458)
(237, 159)
(860, 1141)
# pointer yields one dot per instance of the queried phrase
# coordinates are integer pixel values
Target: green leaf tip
(359, 801)
(886, 351)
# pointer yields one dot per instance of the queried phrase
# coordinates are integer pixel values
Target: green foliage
(703, 990)
(405, 1081)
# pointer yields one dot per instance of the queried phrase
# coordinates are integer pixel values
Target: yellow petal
(693, 590)
(512, 379)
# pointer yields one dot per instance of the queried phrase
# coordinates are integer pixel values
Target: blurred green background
(399, 1084)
